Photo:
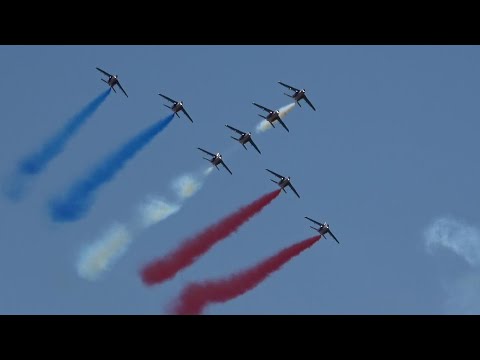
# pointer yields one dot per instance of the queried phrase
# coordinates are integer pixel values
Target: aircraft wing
(262, 107)
(104, 72)
(253, 144)
(295, 191)
(226, 167)
(316, 222)
(333, 236)
(121, 88)
(185, 112)
(166, 97)
(274, 173)
(205, 151)
(236, 130)
(282, 123)
(309, 103)
(288, 86)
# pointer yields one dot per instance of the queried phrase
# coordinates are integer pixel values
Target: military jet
(273, 115)
(176, 107)
(298, 95)
(215, 160)
(284, 181)
(112, 81)
(323, 229)
(244, 138)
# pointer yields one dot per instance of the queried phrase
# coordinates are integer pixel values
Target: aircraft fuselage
(244, 138)
(271, 117)
(323, 230)
(216, 160)
(112, 81)
(299, 95)
(284, 182)
(177, 106)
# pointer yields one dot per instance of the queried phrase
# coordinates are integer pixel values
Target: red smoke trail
(167, 267)
(196, 296)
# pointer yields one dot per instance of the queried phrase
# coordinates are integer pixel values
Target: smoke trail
(264, 125)
(100, 256)
(156, 210)
(196, 296)
(37, 161)
(168, 266)
(80, 196)
(151, 212)
(457, 236)
(187, 185)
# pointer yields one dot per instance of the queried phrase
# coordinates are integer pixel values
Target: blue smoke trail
(36, 162)
(80, 196)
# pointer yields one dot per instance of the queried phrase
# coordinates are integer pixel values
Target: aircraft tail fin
(262, 116)
(207, 159)
(105, 81)
(234, 138)
(217, 167)
(244, 146)
(298, 103)
(177, 115)
(288, 95)
(167, 106)
(313, 228)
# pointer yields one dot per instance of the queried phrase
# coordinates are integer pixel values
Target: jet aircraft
(112, 81)
(283, 182)
(244, 138)
(298, 95)
(176, 106)
(323, 229)
(215, 160)
(273, 115)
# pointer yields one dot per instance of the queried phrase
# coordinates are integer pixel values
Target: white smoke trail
(208, 171)
(457, 236)
(264, 125)
(284, 110)
(156, 209)
(100, 256)
(187, 185)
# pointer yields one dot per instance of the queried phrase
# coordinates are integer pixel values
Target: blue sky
(390, 150)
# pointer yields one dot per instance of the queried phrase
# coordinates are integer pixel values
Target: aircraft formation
(245, 137)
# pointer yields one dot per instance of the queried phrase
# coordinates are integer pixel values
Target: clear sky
(391, 149)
